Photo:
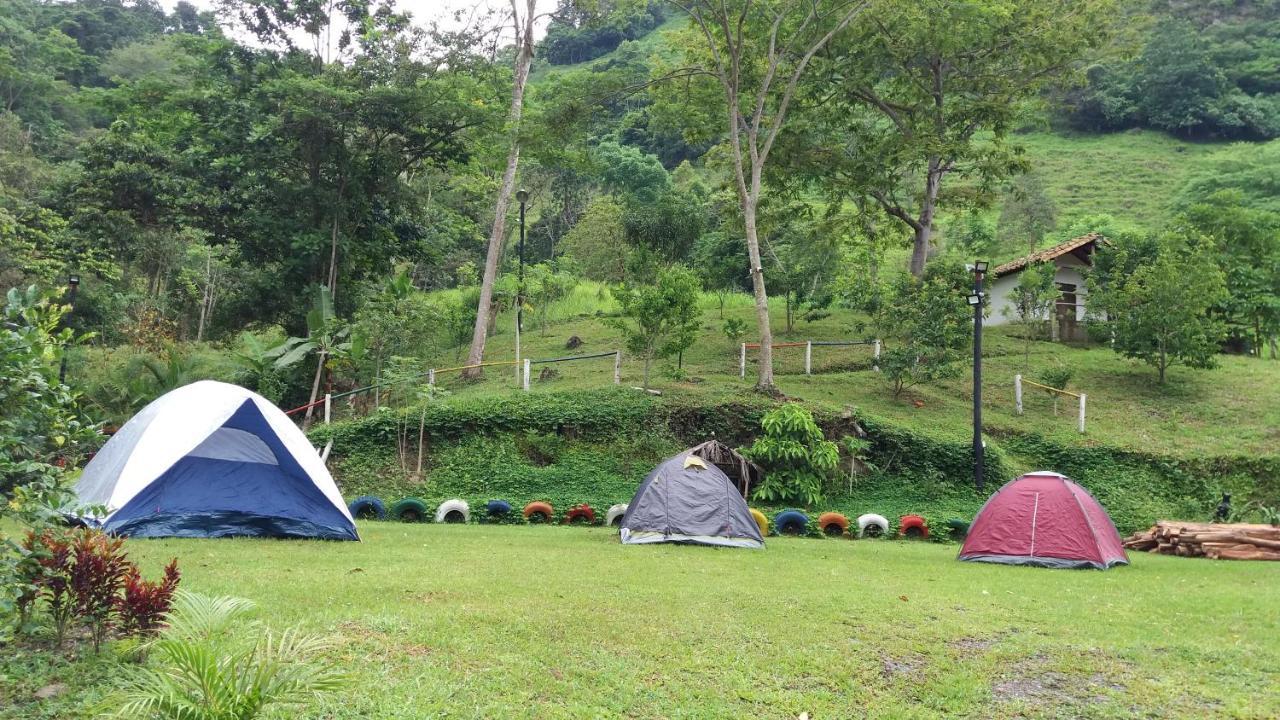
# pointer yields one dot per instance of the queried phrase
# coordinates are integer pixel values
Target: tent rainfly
(1047, 520)
(213, 460)
(687, 499)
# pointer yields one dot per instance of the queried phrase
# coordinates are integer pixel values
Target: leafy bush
(932, 322)
(42, 433)
(735, 329)
(98, 570)
(86, 575)
(211, 672)
(143, 604)
(795, 457)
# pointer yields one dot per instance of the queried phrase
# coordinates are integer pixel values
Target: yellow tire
(762, 521)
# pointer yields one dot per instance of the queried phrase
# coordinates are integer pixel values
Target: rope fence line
(430, 374)
(617, 365)
(808, 352)
(1018, 382)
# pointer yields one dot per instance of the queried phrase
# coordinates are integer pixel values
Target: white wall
(1000, 295)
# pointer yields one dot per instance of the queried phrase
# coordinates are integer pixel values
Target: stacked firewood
(1237, 541)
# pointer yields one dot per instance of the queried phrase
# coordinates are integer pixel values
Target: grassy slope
(483, 621)
(1233, 410)
(1130, 175)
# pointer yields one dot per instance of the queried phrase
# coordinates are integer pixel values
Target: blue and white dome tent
(213, 460)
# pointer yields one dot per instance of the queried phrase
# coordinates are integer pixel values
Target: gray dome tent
(689, 500)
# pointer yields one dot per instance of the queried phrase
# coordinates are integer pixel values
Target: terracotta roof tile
(1048, 254)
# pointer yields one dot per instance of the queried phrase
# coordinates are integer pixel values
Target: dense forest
(345, 174)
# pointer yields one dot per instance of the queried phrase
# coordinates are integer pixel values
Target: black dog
(1223, 513)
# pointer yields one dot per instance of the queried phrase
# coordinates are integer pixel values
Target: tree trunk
(924, 230)
(764, 376)
(333, 245)
(524, 58)
(208, 290)
(648, 357)
(315, 390)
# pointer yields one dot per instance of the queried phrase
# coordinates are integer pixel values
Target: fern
(208, 671)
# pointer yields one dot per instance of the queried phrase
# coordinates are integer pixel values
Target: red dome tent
(1047, 520)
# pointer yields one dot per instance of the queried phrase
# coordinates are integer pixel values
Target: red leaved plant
(96, 578)
(142, 607)
(52, 552)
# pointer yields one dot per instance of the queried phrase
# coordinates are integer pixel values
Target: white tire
(877, 524)
(455, 505)
(615, 512)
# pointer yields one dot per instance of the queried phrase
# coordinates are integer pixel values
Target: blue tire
(497, 508)
(791, 522)
(367, 507)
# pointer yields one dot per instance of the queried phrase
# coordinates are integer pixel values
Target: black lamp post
(73, 282)
(977, 301)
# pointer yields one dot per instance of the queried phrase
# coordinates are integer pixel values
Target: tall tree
(523, 27)
(932, 89)
(758, 53)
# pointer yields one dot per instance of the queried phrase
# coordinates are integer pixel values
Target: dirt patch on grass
(1031, 683)
(971, 645)
(909, 666)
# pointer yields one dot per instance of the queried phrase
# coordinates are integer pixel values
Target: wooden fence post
(742, 362)
(328, 407)
(526, 374)
(1017, 392)
(1082, 397)
(808, 357)
(617, 368)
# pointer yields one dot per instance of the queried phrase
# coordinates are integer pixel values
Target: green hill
(1148, 452)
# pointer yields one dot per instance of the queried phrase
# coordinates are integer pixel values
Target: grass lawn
(532, 621)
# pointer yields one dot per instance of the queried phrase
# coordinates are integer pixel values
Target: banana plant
(328, 338)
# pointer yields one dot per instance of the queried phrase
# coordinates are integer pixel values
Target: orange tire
(539, 512)
(833, 524)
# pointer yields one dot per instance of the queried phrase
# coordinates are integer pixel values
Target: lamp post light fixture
(522, 196)
(73, 282)
(977, 301)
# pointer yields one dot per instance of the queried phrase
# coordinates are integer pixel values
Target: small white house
(1069, 258)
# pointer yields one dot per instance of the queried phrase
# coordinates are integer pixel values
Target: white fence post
(742, 362)
(1082, 397)
(1017, 392)
(431, 377)
(808, 357)
(875, 363)
(617, 367)
(328, 405)
(526, 374)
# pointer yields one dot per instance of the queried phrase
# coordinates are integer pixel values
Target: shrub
(51, 576)
(97, 576)
(211, 672)
(86, 575)
(143, 604)
(794, 455)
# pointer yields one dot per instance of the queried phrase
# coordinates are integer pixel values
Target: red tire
(833, 524)
(913, 527)
(539, 512)
(581, 512)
